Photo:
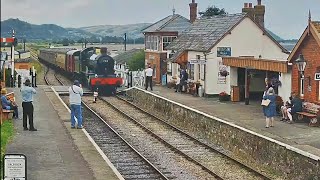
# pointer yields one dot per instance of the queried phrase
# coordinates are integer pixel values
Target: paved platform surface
(299, 135)
(56, 151)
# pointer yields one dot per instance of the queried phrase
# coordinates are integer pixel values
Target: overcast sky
(286, 18)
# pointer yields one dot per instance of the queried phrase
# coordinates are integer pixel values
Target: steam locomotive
(92, 66)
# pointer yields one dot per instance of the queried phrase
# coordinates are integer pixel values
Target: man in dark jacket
(296, 107)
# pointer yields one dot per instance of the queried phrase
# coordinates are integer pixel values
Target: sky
(286, 18)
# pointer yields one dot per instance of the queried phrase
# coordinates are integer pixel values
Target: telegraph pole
(12, 60)
(125, 41)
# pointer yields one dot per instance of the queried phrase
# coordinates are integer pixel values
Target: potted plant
(223, 96)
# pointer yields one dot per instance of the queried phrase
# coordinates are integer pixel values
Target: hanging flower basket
(224, 73)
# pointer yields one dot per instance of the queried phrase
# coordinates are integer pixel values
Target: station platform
(65, 90)
(56, 151)
(251, 117)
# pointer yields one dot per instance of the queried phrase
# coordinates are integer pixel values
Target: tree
(137, 61)
(212, 11)
(65, 42)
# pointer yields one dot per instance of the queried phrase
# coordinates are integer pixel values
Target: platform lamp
(301, 65)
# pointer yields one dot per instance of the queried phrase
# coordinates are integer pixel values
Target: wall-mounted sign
(15, 167)
(317, 77)
(197, 61)
(223, 51)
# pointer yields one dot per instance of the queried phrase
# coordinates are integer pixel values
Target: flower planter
(223, 98)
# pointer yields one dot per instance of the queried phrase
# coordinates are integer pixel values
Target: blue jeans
(76, 111)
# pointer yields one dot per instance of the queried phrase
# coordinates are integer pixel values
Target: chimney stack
(259, 11)
(248, 9)
(193, 11)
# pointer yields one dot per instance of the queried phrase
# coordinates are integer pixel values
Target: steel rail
(165, 142)
(265, 176)
(139, 154)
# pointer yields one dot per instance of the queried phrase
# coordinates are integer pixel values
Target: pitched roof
(205, 32)
(314, 29)
(126, 56)
(172, 23)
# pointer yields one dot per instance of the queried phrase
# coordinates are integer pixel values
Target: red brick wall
(311, 52)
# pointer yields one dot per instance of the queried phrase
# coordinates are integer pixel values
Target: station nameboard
(317, 76)
(15, 167)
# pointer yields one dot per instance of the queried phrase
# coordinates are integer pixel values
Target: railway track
(51, 78)
(129, 162)
(217, 164)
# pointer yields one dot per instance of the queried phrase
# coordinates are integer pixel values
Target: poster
(15, 167)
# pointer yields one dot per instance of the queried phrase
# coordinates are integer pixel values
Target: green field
(7, 132)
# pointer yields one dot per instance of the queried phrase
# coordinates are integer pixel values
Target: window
(191, 71)
(152, 43)
(169, 67)
(301, 87)
(319, 90)
(166, 40)
(203, 72)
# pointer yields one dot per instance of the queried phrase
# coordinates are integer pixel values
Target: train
(92, 66)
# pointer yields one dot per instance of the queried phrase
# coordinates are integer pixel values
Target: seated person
(7, 104)
(285, 108)
(296, 107)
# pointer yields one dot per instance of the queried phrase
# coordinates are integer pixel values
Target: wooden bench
(309, 112)
(4, 114)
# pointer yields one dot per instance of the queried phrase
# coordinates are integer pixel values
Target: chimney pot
(250, 5)
(259, 2)
(245, 5)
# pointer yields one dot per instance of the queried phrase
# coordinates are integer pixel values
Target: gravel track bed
(153, 149)
(51, 78)
(127, 162)
(216, 162)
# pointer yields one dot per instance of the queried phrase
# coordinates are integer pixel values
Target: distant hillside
(132, 30)
(52, 32)
(39, 32)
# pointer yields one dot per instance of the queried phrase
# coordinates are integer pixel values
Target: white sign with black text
(198, 61)
(15, 167)
(317, 76)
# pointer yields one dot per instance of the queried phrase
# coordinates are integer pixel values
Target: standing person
(27, 106)
(149, 74)
(8, 105)
(270, 110)
(75, 93)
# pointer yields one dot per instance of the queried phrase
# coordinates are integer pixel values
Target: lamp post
(301, 65)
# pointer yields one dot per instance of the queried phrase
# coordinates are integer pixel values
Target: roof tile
(172, 23)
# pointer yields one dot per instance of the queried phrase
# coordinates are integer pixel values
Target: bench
(309, 112)
(4, 114)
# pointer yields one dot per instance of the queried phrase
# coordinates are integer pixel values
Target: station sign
(197, 61)
(317, 76)
(15, 167)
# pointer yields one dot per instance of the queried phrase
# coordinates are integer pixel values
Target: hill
(52, 32)
(39, 32)
(133, 30)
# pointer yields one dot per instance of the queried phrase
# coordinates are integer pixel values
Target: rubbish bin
(235, 93)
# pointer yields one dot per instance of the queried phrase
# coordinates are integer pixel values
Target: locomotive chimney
(104, 50)
(193, 11)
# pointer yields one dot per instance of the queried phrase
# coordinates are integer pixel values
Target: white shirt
(75, 93)
(149, 72)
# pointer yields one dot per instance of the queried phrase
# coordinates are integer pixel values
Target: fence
(130, 78)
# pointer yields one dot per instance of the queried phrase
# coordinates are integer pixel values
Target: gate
(130, 78)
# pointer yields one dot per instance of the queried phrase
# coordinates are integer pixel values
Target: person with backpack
(75, 93)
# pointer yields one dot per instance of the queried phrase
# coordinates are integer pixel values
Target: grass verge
(7, 133)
